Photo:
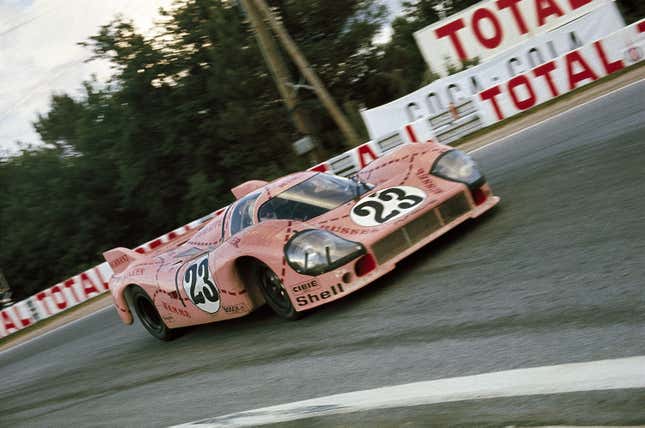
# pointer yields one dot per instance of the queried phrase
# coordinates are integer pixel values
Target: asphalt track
(555, 275)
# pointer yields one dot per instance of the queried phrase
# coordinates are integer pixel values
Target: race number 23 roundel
(387, 205)
(200, 287)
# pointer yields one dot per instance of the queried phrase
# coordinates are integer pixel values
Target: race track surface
(555, 275)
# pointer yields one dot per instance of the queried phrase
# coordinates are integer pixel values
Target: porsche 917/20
(301, 241)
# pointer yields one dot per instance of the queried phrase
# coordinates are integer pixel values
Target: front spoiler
(338, 288)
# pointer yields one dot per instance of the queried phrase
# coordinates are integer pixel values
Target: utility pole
(298, 58)
(278, 68)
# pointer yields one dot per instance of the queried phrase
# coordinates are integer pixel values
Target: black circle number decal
(200, 288)
(386, 205)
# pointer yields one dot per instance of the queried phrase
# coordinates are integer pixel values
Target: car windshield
(312, 197)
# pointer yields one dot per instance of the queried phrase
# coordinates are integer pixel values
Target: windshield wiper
(357, 187)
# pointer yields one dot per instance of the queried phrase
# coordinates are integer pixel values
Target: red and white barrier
(172, 235)
(55, 299)
(349, 162)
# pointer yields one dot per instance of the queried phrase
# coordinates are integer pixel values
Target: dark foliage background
(189, 114)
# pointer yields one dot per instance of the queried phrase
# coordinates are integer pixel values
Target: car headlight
(456, 165)
(312, 252)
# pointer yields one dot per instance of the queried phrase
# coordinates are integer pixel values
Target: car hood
(414, 192)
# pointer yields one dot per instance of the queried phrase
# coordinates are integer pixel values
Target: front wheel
(149, 316)
(275, 294)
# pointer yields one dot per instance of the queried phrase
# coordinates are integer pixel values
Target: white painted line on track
(556, 116)
(33, 339)
(622, 373)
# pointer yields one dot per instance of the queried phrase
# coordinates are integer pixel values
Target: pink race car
(300, 241)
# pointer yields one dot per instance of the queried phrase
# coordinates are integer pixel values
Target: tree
(632, 10)
(401, 68)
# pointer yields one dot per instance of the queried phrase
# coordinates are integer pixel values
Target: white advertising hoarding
(492, 26)
(563, 74)
(436, 96)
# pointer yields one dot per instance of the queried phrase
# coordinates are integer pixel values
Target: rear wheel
(275, 294)
(149, 316)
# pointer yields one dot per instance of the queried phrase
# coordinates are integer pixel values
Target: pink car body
(227, 269)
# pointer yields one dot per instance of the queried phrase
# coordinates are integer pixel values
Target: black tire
(275, 294)
(149, 316)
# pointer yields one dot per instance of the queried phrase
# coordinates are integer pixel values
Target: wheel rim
(274, 290)
(149, 315)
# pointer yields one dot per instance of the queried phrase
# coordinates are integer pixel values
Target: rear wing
(120, 258)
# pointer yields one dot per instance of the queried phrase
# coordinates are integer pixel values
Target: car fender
(119, 299)
(401, 161)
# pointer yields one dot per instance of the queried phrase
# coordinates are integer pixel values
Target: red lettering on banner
(575, 4)
(365, 155)
(411, 135)
(55, 292)
(7, 321)
(545, 70)
(172, 235)
(70, 284)
(610, 67)
(42, 298)
(450, 30)
(490, 94)
(99, 275)
(87, 285)
(24, 321)
(546, 8)
(517, 15)
(514, 83)
(322, 167)
(573, 58)
(490, 42)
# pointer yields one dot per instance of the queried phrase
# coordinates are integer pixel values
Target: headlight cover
(456, 165)
(314, 251)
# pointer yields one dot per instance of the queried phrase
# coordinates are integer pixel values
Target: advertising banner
(563, 74)
(492, 26)
(455, 123)
(435, 97)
